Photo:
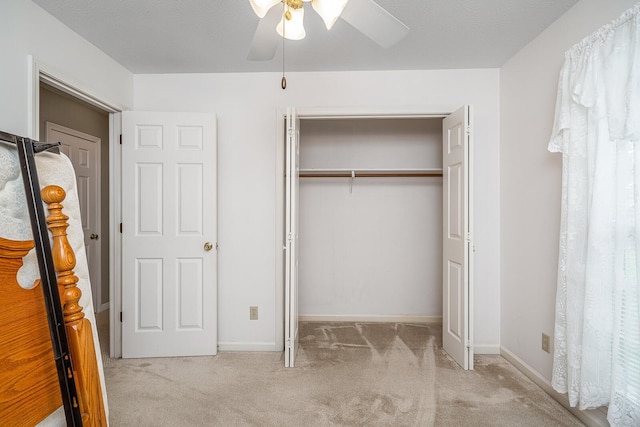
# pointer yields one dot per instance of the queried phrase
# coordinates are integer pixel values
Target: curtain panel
(597, 130)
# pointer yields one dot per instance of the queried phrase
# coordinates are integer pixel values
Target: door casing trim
(41, 72)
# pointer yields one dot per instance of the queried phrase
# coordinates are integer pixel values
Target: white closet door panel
(455, 300)
(291, 229)
(456, 336)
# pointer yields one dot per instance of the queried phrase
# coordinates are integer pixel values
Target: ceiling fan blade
(373, 21)
(265, 40)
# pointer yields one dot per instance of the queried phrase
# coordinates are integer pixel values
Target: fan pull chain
(283, 82)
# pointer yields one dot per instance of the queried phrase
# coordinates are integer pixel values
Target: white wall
(531, 180)
(29, 30)
(246, 106)
(370, 247)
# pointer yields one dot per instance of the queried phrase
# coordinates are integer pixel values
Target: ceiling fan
(366, 16)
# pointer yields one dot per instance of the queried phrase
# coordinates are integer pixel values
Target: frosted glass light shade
(261, 7)
(295, 27)
(329, 10)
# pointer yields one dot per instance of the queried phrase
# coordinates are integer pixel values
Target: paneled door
(457, 229)
(292, 207)
(84, 152)
(169, 233)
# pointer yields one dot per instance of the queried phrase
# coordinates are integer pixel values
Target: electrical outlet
(546, 343)
(253, 312)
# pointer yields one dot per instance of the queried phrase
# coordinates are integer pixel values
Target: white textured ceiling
(180, 36)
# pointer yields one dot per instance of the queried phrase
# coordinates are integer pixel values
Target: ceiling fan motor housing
(294, 4)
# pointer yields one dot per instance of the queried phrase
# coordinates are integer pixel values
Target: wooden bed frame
(29, 388)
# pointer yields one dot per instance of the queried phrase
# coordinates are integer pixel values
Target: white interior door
(169, 226)
(291, 237)
(84, 152)
(457, 246)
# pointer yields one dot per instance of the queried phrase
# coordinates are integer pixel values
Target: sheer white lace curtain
(597, 130)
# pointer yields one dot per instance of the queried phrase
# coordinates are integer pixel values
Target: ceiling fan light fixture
(329, 10)
(261, 7)
(294, 28)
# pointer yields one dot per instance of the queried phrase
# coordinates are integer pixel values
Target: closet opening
(370, 220)
(364, 223)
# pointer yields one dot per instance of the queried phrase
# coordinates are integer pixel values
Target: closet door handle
(208, 246)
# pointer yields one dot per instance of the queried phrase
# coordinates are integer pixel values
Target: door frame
(324, 113)
(41, 72)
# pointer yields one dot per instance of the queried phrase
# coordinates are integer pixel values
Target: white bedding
(15, 225)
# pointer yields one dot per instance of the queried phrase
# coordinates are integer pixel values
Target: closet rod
(368, 174)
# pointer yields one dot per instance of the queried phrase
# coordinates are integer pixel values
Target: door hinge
(120, 228)
(468, 344)
(120, 317)
(467, 130)
(289, 237)
(469, 237)
(288, 343)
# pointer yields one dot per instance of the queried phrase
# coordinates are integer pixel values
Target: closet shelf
(368, 173)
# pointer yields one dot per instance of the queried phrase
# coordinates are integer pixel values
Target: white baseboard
(592, 418)
(486, 349)
(248, 346)
(432, 320)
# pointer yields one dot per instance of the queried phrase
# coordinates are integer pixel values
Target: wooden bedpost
(29, 388)
(79, 332)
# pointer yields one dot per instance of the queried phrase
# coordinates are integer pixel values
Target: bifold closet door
(457, 194)
(291, 237)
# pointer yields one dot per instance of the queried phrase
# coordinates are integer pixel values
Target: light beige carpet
(348, 374)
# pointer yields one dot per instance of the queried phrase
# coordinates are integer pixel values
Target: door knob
(208, 246)
(93, 236)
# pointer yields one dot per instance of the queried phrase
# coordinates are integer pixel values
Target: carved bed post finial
(79, 331)
(64, 260)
